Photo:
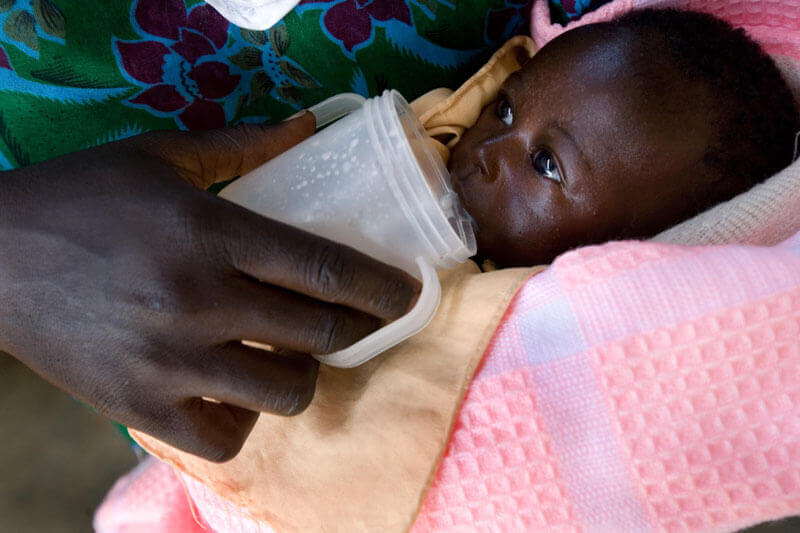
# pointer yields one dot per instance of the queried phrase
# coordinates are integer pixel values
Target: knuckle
(164, 365)
(159, 302)
(330, 271)
(168, 305)
(394, 299)
(122, 402)
(213, 230)
(332, 332)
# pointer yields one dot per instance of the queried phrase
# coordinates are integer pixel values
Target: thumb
(206, 157)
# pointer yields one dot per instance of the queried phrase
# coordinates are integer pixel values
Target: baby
(621, 130)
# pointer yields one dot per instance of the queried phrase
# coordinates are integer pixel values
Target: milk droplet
(326, 156)
(353, 143)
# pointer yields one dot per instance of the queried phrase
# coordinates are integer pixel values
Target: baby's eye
(545, 164)
(504, 112)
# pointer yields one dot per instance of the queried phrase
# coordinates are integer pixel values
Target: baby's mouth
(458, 187)
(456, 184)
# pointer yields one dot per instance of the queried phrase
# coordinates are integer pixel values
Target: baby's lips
(455, 182)
(458, 187)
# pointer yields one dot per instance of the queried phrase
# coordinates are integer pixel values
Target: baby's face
(581, 146)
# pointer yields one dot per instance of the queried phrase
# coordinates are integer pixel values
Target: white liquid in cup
(372, 182)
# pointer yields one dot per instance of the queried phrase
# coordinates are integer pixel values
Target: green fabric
(65, 85)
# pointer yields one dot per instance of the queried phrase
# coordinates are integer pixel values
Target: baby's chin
(497, 242)
(493, 245)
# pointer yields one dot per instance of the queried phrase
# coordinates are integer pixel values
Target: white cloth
(254, 14)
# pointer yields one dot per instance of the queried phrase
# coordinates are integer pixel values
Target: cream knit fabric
(766, 214)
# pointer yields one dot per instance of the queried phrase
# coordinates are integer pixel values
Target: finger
(267, 314)
(213, 431)
(302, 262)
(257, 380)
(251, 145)
(206, 157)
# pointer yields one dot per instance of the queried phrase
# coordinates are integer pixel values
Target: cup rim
(453, 230)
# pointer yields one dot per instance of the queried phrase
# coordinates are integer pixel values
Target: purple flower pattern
(191, 90)
(4, 62)
(350, 21)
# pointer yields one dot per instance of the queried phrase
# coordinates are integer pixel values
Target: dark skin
(598, 137)
(126, 284)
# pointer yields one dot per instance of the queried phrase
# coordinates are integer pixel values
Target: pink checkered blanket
(631, 387)
(635, 387)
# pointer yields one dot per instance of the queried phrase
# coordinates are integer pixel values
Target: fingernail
(296, 115)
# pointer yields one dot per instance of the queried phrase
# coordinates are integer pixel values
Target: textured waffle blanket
(635, 387)
(631, 387)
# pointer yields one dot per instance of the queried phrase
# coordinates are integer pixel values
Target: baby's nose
(490, 153)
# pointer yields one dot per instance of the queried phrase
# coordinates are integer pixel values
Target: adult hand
(130, 288)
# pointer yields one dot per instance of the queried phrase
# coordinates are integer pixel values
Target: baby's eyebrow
(563, 131)
(577, 147)
(515, 78)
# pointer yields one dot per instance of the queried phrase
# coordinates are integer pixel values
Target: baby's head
(622, 130)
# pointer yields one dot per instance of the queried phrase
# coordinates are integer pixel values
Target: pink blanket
(635, 387)
(632, 386)
(775, 24)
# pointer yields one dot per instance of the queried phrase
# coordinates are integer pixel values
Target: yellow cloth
(446, 114)
(361, 457)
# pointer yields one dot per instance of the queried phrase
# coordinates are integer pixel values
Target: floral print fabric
(125, 67)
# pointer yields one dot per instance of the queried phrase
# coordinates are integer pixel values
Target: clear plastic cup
(370, 181)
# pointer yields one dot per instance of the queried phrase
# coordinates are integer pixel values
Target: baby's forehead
(616, 67)
(602, 53)
(597, 48)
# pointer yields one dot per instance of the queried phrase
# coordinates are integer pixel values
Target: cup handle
(395, 332)
(335, 107)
